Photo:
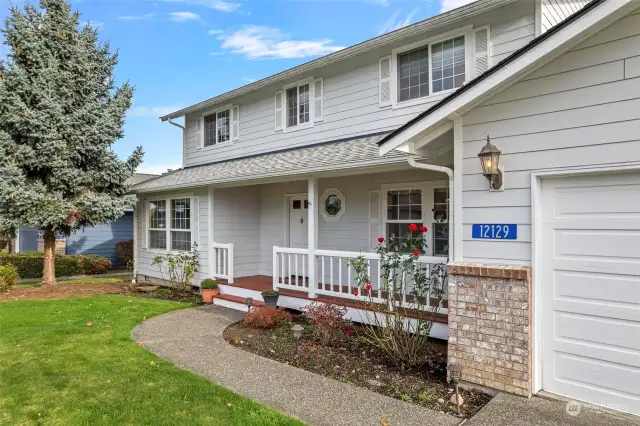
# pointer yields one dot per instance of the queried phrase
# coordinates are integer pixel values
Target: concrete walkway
(192, 339)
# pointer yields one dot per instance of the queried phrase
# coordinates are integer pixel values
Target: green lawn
(72, 362)
(97, 279)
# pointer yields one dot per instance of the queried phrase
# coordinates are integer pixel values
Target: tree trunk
(49, 272)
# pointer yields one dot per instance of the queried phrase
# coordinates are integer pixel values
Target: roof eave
(443, 19)
(594, 17)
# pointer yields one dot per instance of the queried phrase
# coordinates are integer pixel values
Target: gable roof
(441, 20)
(345, 154)
(539, 51)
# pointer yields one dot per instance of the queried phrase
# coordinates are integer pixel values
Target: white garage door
(591, 289)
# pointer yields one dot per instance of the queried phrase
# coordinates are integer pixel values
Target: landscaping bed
(355, 361)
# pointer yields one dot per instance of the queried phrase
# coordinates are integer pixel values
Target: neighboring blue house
(100, 240)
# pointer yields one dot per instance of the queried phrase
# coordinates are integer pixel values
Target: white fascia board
(442, 20)
(589, 24)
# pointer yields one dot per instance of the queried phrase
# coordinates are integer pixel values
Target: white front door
(298, 216)
(590, 289)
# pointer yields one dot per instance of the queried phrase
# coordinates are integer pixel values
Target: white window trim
(193, 217)
(215, 111)
(285, 107)
(466, 31)
(323, 200)
(444, 185)
(427, 188)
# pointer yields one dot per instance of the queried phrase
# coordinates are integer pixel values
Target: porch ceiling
(339, 155)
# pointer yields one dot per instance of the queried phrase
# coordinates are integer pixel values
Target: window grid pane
(157, 239)
(303, 97)
(292, 107)
(209, 130)
(448, 64)
(157, 214)
(441, 222)
(222, 126)
(404, 205)
(181, 214)
(413, 74)
(181, 240)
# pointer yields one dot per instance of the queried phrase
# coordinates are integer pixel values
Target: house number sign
(494, 231)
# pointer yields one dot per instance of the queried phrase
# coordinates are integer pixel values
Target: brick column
(490, 325)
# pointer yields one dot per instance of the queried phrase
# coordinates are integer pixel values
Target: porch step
(239, 300)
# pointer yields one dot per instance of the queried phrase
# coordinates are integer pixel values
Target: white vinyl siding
(351, 96)
(580, 110)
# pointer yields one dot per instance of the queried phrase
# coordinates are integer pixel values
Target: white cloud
(136, 17)
(394, 23)
(258, 42)
(215, 32)
(155, 112)
(447, 5)
(220, 5)
(184, 16)
(157, 169)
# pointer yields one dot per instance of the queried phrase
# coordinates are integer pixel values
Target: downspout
(449, 171)
(184, 136)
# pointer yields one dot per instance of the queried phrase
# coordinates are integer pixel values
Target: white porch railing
(335, 276)
(222, 261)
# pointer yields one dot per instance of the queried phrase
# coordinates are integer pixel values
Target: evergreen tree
(60, 112)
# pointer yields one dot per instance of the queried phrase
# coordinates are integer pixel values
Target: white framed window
(299, 105)
(333, 204)
(440, 221)
(170, 224)
(429, 70)
(218, 127)
(403, 207)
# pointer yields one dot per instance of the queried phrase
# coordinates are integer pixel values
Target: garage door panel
(612, 335)
(597, 287)
(607, 377)
(593, 200)
(597, 244)
(590, 286)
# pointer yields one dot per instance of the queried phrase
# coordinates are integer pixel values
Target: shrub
(8, 277)
(266, 317)
(30, 264)
(270, 293)
(209, 284)
(180, 268)
(124, 252)
(328, 320)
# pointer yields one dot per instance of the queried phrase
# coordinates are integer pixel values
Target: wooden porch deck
(265, 282)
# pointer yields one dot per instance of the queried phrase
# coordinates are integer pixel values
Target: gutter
(449, 171)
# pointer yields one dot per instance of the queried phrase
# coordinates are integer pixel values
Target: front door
(298, 228)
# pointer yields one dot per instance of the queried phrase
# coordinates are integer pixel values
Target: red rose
(416, 252)
(423, 229)
(381, 240)
(433, 209)
(368, 287)
(413, 227)
(355, 292)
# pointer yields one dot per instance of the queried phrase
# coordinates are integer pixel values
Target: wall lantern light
(490, 159)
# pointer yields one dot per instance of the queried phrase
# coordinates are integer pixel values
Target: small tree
(400, 314)
(60, 112)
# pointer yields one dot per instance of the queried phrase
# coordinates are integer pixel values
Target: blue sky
(179, 52)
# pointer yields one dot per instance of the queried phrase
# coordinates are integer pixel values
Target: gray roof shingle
(343, 154)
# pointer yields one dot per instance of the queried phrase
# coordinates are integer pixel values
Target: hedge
(30, 264)
(124, 252)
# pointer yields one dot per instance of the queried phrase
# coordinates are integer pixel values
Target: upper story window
(299, 105)
(217, 127)
(431, 69)
(298, 110)
(428, 70)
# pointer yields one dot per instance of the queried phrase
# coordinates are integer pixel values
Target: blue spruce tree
(60, 112)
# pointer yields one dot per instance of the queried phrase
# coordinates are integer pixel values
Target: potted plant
(270, 298)
(209, 289)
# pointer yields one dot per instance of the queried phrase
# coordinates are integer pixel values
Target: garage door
(591, 289)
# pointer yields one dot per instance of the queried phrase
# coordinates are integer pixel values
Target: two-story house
(288, 178)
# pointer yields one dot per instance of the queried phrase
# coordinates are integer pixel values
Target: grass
(87, 280)
(72, 362)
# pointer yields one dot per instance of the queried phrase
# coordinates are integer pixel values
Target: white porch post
(312, 232)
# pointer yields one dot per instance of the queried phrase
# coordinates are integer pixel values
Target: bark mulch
(63, 291)
(354, 361)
